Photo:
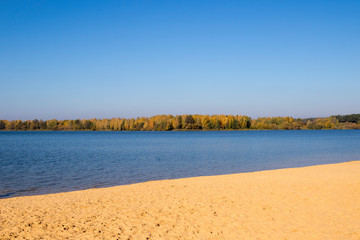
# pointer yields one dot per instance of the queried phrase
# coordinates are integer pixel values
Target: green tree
(217, 124)
(189, 122)
(178, 124)
(2, 125)
(189, 119)
(235, 124)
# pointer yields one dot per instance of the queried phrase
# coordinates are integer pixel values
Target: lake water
(48, 162)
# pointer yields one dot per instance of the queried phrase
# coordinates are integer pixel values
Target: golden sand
(319, 202)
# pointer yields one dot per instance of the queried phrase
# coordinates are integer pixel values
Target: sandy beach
(317, 202)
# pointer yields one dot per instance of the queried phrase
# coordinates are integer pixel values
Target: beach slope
(317, 202)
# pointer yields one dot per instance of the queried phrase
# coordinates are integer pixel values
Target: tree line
(186, 122)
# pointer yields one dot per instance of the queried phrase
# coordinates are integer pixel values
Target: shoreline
(174, 179)
(313, 202)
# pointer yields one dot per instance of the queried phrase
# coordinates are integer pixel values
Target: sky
(104, 59)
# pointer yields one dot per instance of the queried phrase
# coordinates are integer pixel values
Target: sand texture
(319, 202)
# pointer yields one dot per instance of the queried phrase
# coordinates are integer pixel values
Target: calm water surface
(48, 162)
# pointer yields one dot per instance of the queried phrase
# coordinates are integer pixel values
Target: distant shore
(187, 122)
(317, 202)
(175, 130)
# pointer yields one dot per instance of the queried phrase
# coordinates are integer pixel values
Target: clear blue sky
(103, 59)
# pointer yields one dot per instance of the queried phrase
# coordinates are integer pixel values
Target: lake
(48, 162)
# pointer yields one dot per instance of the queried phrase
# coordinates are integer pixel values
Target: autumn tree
(189, 122)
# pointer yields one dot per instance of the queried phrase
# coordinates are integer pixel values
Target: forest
(185, 122)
